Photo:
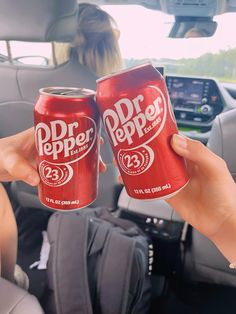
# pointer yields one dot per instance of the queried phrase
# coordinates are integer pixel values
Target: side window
(27, 53)
(3, 52)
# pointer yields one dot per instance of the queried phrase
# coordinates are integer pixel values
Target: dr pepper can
(137, 114)
(67, 127)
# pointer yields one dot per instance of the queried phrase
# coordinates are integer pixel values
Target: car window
(145, 37)
(28, 52)
(3, 48)
(3, 52)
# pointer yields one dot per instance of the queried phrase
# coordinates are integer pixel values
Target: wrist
(225, 237)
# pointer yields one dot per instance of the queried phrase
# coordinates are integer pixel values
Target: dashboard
(196, 101)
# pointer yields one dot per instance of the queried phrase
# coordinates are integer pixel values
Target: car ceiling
(204, 8)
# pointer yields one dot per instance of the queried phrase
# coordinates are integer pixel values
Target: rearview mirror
(190, 27)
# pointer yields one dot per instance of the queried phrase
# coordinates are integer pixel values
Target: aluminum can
(67, 126)
(138, 117)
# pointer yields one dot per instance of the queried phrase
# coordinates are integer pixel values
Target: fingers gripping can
(67, 126)
(138, 117)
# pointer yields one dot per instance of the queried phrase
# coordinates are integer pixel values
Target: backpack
(98, 263)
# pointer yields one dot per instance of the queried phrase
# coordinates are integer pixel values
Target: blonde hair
(96, 42)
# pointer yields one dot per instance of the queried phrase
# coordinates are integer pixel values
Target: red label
(134, 123)
(62, 142)
(137, 120)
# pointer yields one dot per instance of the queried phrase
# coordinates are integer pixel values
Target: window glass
(144, 35)
(28, 52)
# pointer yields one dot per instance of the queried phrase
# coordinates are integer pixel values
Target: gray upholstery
(203, 261)
(222, 139)
(30, 79)
(53, 20)
(19, 90)
(15, 116)
(14, 300)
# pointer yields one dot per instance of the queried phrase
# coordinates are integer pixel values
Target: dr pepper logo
(62, 142)
(137, 120)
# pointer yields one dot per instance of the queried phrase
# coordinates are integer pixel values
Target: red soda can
(138, 117)
(67, 127)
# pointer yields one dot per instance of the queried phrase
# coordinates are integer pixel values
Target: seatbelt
(114, 274)
(75, 297)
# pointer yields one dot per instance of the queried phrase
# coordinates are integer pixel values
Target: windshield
(145, 36)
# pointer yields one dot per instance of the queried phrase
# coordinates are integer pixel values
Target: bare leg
(8, 237)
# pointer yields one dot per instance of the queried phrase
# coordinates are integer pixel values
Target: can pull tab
(77, 92)
(71, 91)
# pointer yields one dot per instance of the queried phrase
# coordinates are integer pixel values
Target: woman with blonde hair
(96, 42)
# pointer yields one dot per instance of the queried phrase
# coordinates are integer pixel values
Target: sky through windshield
(144, 34)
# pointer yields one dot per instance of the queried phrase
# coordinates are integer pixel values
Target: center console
(195, 101)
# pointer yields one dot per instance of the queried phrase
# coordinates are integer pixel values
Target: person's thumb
(198, 153)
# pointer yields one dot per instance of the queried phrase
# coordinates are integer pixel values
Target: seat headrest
(38, 20)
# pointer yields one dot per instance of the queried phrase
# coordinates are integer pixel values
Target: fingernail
(180, 141)
(32, 180)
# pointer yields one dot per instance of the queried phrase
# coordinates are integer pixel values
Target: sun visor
(38, 20)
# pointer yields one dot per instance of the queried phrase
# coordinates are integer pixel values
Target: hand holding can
(138, 117)
(67, 128)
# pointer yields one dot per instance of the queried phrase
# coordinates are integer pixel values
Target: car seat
(45, 21)
(222, 139)
(14, 300)
(203, 261)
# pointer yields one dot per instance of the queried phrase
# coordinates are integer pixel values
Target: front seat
(222, 139)
(45, 21)
(203, 261)
(14, 300)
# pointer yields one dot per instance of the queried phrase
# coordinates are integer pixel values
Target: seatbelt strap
(73, 267)
(114, 274)
(122, 223)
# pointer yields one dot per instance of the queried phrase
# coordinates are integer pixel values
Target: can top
(123, 71)
(67, 92)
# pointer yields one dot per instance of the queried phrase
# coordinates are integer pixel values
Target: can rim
(84, 92)
(123, 71)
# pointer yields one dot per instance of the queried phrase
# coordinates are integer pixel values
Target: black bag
(97, 264)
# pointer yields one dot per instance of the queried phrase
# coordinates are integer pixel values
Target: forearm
(225, 239)
(8, 237)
